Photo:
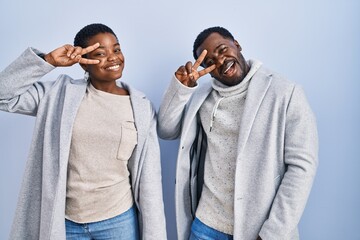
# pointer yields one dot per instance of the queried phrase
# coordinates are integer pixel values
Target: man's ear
(237, 45)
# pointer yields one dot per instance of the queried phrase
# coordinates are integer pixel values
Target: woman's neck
(109, 87)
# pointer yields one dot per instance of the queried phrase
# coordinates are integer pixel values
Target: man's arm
(182, 85)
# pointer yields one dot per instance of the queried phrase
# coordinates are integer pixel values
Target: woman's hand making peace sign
(188, 74)
(68, 55)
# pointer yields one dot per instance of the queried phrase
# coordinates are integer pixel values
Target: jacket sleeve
(150, 192)
(20, 90)
(172, 109)
(301, 160)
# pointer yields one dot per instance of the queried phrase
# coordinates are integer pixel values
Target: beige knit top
(103, 139)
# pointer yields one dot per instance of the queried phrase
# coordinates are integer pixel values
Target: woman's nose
(112, 57)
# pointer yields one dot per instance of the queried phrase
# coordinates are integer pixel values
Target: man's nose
(219, 60)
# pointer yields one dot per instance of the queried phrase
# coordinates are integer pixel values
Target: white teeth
(230, 65)
(113, 67)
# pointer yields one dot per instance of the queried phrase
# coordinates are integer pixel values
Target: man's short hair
(205, 33)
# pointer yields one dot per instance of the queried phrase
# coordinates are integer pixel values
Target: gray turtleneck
(220, 116)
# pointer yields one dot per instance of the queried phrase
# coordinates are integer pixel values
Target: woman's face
(111, 59)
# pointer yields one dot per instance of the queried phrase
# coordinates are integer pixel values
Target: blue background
(314, 43)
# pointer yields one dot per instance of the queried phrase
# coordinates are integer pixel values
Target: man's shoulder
(274, 75)
(278, 80)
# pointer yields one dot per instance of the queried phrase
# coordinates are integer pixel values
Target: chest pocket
(128, 141)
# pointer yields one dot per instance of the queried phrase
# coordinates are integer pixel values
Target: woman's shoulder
(134, 92)
(64, 79)
(62, 82)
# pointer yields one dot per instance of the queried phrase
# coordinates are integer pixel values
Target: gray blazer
(40, 211)
(276, 161)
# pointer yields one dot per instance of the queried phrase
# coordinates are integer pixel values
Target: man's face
(231, 67)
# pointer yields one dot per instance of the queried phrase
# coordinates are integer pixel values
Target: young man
(248, 145)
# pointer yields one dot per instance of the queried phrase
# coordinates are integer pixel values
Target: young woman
(93, 170)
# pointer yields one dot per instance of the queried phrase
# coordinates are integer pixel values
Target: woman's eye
(99, 54)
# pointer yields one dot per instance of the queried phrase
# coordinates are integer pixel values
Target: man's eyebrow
(219, 46)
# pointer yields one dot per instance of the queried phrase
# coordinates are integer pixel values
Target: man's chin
(230, 81)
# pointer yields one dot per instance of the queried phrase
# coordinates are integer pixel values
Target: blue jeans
(122, 227)
(203, 232)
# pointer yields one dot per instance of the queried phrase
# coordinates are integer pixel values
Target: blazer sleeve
(301, 160)
(150, 194)
(20, 88)
(172, 109)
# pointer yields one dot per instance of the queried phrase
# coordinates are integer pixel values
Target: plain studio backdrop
(314, 43)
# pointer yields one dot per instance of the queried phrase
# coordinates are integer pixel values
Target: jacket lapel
(142, 118)
(257, 89)
(73, 97)
(197, 100)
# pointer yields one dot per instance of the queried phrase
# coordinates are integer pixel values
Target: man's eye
(209, 63)
(223, 49)
(117, 50)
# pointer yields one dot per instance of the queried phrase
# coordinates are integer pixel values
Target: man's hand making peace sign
(188, 74)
